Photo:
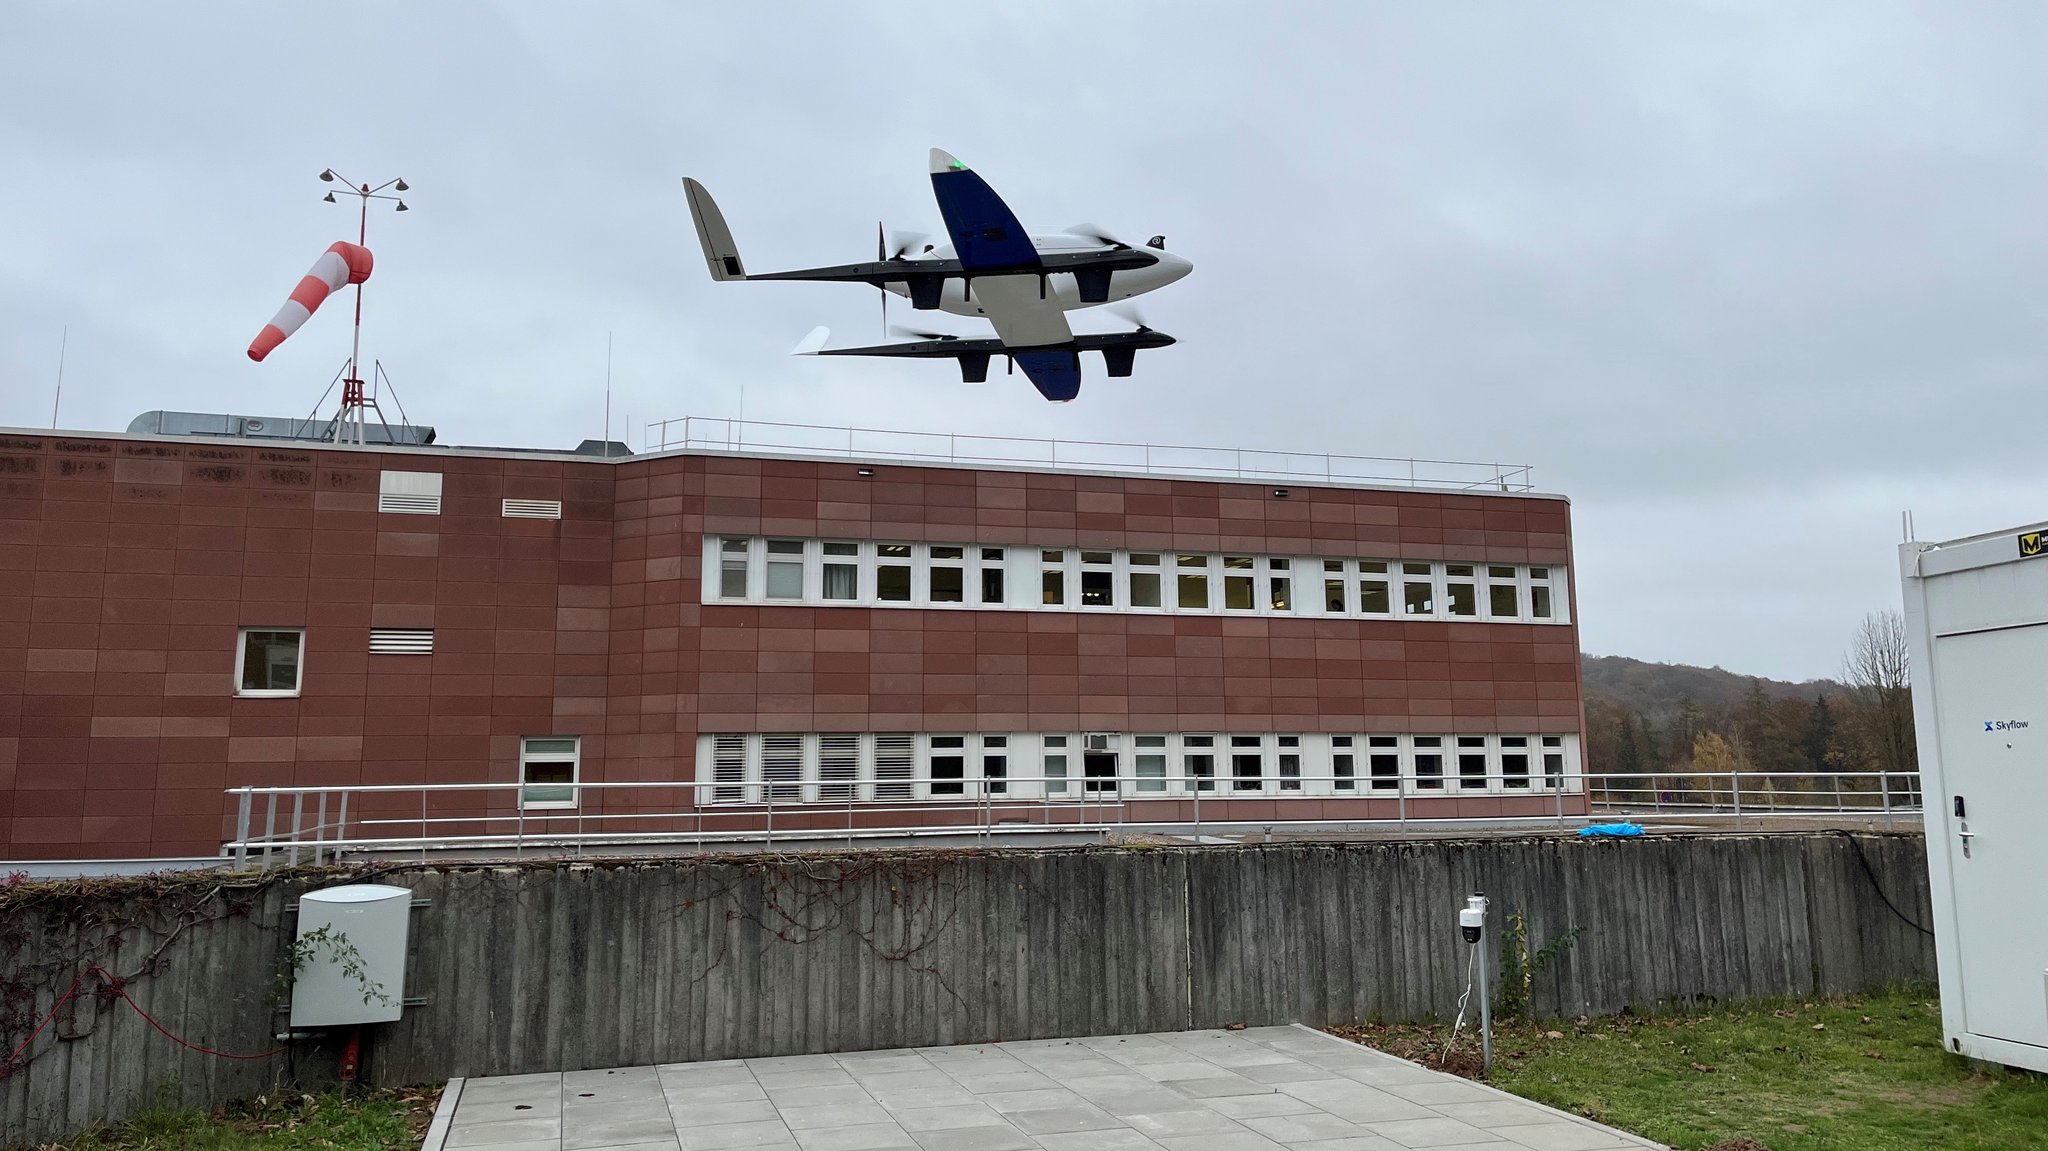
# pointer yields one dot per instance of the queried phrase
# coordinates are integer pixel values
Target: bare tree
(1876, 670)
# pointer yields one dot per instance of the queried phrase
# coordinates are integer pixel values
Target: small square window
(1145, 584)
(1373, 597)
(1237, 583)
(547, 771)
(732, 569)
(949, 765)
(267, 662)
(785, 569)
(1097, 589)
(841, 571)
(1417, 599)
(892, 573)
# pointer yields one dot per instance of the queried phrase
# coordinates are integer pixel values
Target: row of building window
(851, 573)
(841, 767)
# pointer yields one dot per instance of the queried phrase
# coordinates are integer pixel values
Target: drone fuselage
(1062, 289)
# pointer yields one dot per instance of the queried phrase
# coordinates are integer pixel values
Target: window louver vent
(404, 504)
(895, 764)
(402, 641)
(728, 768)
(409, 493)
(533, 509)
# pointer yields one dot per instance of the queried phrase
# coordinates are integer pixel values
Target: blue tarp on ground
(1611, 830)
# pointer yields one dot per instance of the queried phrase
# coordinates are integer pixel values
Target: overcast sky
(1744, 281)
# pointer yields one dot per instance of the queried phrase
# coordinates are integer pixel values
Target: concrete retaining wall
(548, 967)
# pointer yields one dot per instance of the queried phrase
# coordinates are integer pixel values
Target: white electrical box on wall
(1977, 626)
(350, 955)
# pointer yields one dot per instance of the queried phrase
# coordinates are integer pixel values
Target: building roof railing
(701, 433)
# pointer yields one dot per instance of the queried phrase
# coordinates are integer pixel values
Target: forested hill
(1654, 691)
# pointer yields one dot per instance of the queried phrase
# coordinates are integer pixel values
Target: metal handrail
(1090, 803)
(813, 810)
(1741, 795)
(701, 433)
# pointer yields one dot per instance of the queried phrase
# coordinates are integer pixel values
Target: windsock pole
(352, 423)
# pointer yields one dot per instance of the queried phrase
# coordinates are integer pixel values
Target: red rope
(123, 993)
(108, 981)
(8, 1068)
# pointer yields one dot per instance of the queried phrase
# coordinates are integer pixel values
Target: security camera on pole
(1472, 922)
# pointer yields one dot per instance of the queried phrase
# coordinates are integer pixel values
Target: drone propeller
(1099, 235)
(904, 244)
(920, 334)
(1128, 313)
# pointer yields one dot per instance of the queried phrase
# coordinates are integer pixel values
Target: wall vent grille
(402, 641)
(409, 493)
(533, 509)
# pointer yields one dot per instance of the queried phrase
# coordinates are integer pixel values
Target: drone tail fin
(720, 253)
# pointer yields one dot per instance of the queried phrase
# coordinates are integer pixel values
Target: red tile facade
(128, 563)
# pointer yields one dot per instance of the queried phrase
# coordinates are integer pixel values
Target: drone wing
(1054, 370)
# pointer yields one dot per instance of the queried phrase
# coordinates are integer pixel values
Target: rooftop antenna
(351, 423)
(607, 393)
(63, 345)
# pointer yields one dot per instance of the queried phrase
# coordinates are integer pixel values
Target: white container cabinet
(1977, 622)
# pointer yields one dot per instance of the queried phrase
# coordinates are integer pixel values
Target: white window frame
(1411, 775)
(1118, 599)
(1024, 570)
(1061, 786)
(1531, 764)
(528, 756)
(981, 750)
(1256, 745)
(928, 749)
(241, 660)
(1161, 747)
(1488, 759)
(981, 565)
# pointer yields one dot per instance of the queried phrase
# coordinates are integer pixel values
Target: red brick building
(860, 637)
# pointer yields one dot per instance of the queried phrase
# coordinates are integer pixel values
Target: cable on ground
(1471, 969)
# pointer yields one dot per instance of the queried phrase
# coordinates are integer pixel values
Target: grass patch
(336, 1121)
(1867, 1074)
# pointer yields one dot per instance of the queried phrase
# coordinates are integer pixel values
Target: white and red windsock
(341, 264)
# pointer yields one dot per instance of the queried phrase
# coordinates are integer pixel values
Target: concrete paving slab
(465, 1134)
(952, 1118)
(1260, 1089)
(1165, 1124)
(1436, 1132)
(1125, 1140)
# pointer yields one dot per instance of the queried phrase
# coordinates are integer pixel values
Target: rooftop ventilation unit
(163, 423)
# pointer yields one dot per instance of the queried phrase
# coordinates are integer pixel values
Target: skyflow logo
(2005, 725)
